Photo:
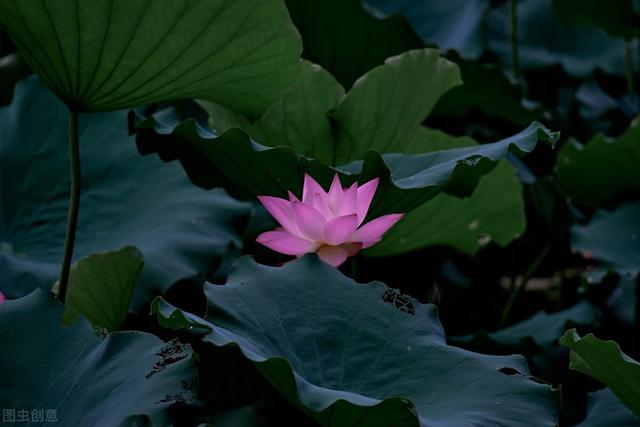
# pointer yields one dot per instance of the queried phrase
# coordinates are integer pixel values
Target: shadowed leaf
(349, 353)
(126, 200)
(407, 181)
(130, 376)
(466, 224)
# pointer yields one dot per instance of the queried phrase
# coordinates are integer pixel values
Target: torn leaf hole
(399, 300)
(509, 371)
(173, 399)
(173, 352)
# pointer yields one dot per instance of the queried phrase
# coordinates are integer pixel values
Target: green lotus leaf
(101, 286)
(108, 54)
(171, 318)
(315, 109)
(466, 224)
(344, 39)
(299, 120)
(348, 353)
(382, 112)
(129, 378)
(605, 361)
(602, 170)
(407, 181)
(126, 200)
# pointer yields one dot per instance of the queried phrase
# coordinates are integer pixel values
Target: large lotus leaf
(606, 410)
(109, 54)
(617, 18)
(384, 108)
(487, 89)
(299, 120)
(349, 353)
(454, 24)
(315, 108)
(601, 170)
(541, 330)
(130, 378)
(544, 40)
(466, 224)
(343, 38)
(126, 200)
(613, 238)
(605, 361)
(407, 181)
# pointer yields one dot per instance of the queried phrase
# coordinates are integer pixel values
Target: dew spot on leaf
(483, 239)
(471, 161)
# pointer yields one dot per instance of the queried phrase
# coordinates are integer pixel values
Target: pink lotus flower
(329, 224)
(1, 298)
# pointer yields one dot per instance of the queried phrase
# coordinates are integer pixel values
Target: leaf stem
(513, 36)
(516, 289)
(74, 202)
(629, 56)
(636, 335)
(354, 268)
